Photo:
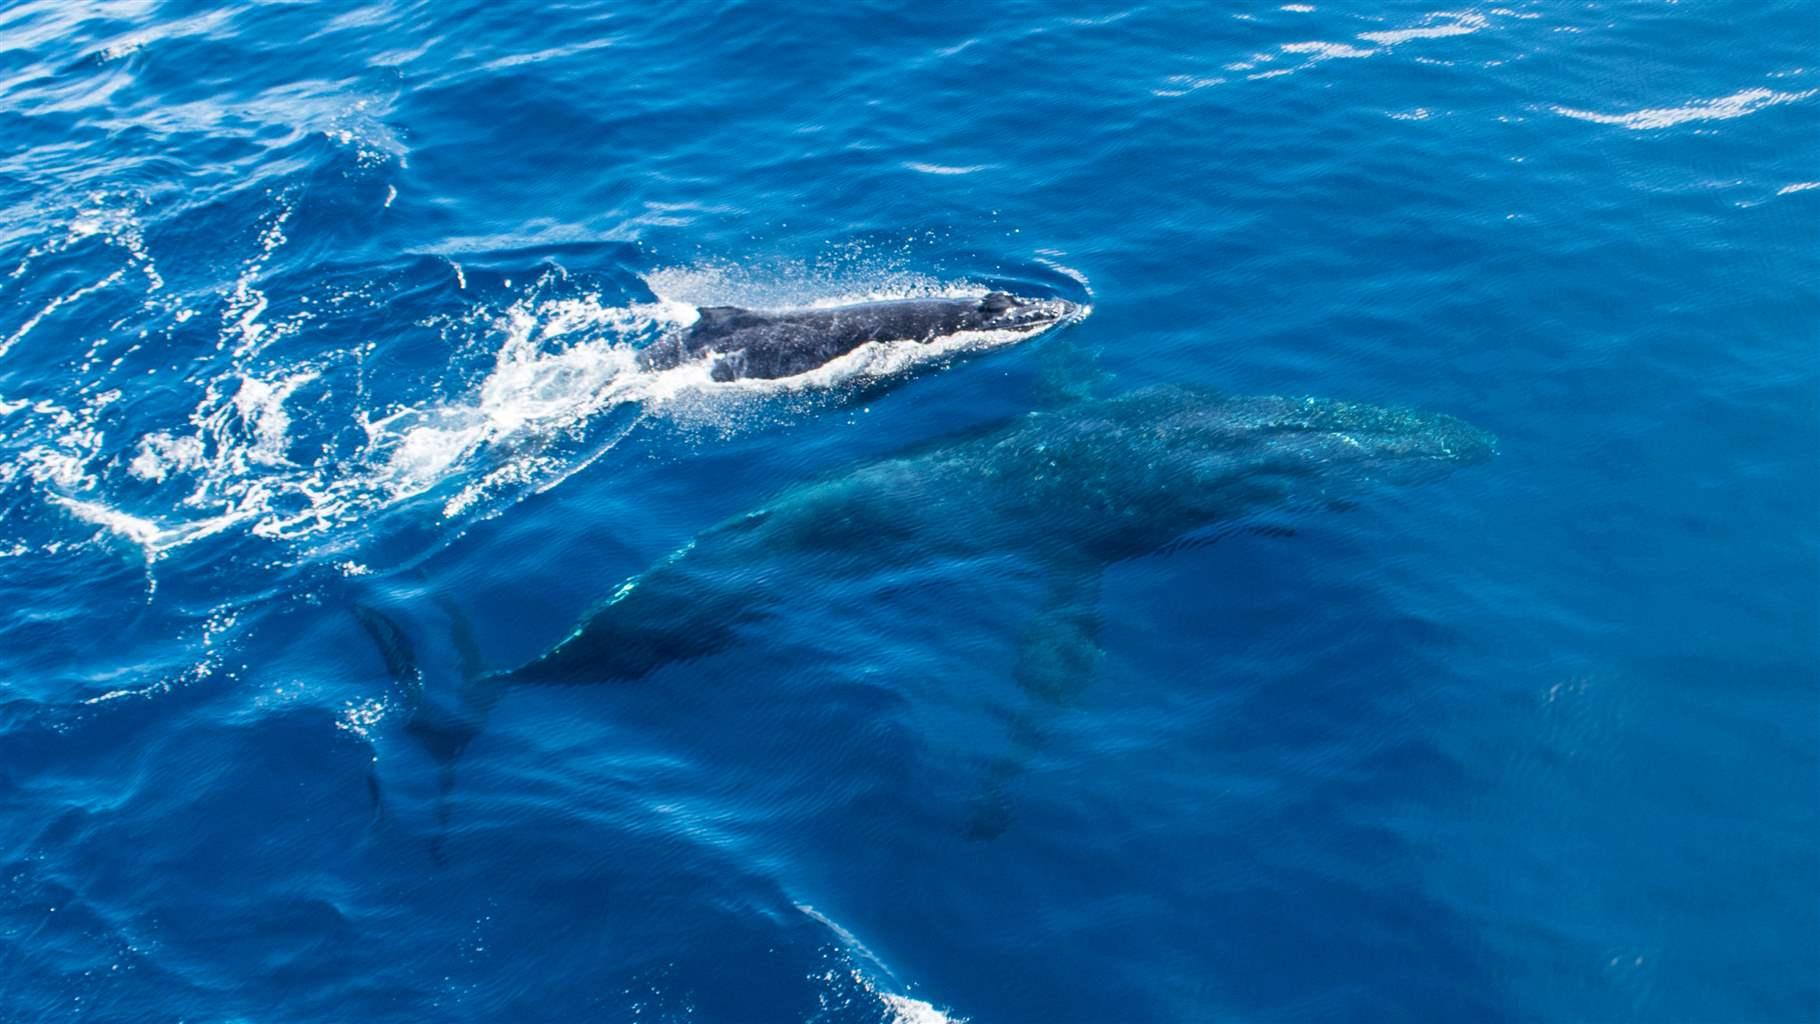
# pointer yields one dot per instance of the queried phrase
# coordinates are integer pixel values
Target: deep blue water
(309, 308)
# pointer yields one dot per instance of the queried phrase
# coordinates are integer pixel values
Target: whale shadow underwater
(1073, 490)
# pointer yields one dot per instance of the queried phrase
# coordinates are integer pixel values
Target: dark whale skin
(768, 344)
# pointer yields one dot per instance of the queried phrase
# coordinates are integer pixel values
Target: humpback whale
(1071, 491)
(754, 343)
(1075, 489)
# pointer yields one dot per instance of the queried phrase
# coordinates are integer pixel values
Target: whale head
(1258, 437)
(1002, 311)
(1157, 463)
(1242, 454)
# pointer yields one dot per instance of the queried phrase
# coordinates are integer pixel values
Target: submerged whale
(753, 343)
(1070, 491)
(1075, 489)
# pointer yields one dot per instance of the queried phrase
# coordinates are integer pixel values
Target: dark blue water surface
(315, 309)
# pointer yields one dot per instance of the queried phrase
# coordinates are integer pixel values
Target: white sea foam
(294, 444)
(905, 1010)
(151, 538)
(161, 454)
(246, 302)
(873, 976)
(142, 532)
(540, 383)
(1724, 108)
(260, 406)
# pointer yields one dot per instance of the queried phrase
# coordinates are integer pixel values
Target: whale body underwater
(1074, 490)
(1068, 491)
(741, 343)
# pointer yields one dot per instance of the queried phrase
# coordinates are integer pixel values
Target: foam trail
(539, 389)
(588, 460)
(904, 1009)
(151, 538)
(477, 491)
(1047, 259)
(297, 444)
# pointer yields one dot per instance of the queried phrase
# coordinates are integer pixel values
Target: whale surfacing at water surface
(743, 343)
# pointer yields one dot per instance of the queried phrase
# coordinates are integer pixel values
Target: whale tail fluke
(443, 732)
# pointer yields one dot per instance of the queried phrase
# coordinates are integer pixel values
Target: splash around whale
(739, 343)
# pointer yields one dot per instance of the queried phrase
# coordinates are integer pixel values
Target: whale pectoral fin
(442, 730)
(1060, 652)
(1058, 655)
(1068, 372)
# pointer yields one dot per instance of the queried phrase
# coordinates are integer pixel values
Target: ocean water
(315, 313)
